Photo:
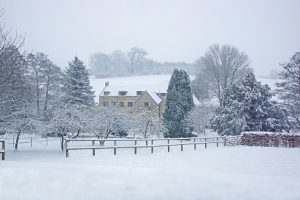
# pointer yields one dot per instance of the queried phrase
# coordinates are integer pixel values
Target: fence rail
(31, 140)
(2, 150)
(188, 141)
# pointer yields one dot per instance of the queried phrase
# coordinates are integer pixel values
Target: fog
(267, 31)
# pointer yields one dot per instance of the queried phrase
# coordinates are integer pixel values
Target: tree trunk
(77, 134)
(47, 95)
(17, 140)
(37, 91)
(62, 142)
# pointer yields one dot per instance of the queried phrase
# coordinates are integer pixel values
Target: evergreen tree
(248, 107)
(77, 89)
(289, 89)
(179, 102)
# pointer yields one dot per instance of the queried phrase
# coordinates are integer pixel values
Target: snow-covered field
(238, 172)
(154, 83)
(235, 173)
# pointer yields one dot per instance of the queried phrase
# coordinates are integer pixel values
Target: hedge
(268, 139)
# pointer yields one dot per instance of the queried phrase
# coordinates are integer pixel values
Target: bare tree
(147, 124)
(288, 89)
(136, 56)
(198, 118)
(8, 45)
(224, 66)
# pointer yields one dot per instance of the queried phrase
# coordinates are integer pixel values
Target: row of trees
(62, 103)
(133, 62)
(37, 97)
(244, 103)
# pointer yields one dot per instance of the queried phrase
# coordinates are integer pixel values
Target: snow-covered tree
(14, 89)
(221, 67)
(147, 125)
(69, 121)
(289, 89)
(77, 89)
(47, 80)
(179, 102)
(198, 118)
(108, 121)
(249, 107)
(136, 57)
(21, 122)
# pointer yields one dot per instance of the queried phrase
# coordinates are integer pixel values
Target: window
(139, 93)
(146, 104)
(130, 104)
(106, 93)
(121, 104)
(113, 103)
(105, 103)
(122, 93)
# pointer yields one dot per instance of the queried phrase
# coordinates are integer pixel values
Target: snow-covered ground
(238, 172)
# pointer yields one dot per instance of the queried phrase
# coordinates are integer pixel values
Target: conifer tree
(248, 107)
(179, 102)
(77, 89)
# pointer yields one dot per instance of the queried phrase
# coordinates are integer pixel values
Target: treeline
(37, 97)
(133, 62)
(244, 104)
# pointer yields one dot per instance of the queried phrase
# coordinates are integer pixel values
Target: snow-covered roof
(196, 101)
(153, 84)
(130, 91)
(155, 97)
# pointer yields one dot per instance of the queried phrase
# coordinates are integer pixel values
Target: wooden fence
(29, 140)
(194, 141)
(2, 150)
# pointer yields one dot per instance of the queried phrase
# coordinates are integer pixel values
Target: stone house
(134, 99)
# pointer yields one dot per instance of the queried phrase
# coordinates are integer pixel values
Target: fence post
(135, 149)
(94, 151)
(205, 144)
(181, 144)
(168, 144)
(31, 142)
(93, 142)
(146, 142)
(217, 142)
(67, 153)
(224, 141)
(152, 146)
(195, 147)
(115, 149)
(3, 148)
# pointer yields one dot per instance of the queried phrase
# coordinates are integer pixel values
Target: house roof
(131, 90)
(155, 97)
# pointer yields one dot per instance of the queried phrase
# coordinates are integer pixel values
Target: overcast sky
(268, 31)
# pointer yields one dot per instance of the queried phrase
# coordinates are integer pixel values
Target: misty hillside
(134, 62)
